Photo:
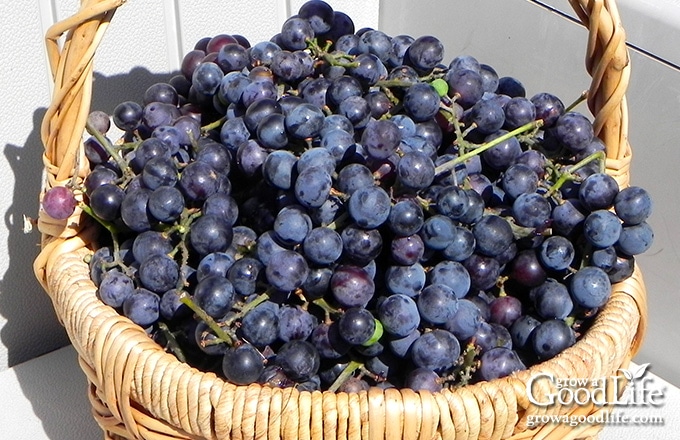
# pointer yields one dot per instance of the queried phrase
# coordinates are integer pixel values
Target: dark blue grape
(551, 338)
(501, 155)
(633, 205)
(487, 115)
(522, 330)
(425, 53)
(574, 131)
(278, 169)
(421, 102)
(106, 200)
(216, 263)
(295, 323)
(260, 325)
(312, 187)
(407, 250)
(381, 138)
(322, 246)
(598, 191)
(465, 85)
(405, 280)
(295, 32)
(484, 271)
(115, 287)
(215, 295)
(602, 228)
(398, 315)
(437, 303)
(299, 360)
(361, 245)
(590, 287)
(158, 273)
(134, 210)
(531, 210)
(244, 274)
(462, 246)
(406, 217)
(499, 362)
(519, 179)
(210, 233)
(436, 350)
(242, 365)
(493, 234)
(466, 320)
(556, 253)
(369, 206)
(356, 326)
(635, 239)
(423, 379)
(142, 307)
(351, 286)
(287, 270)
(551, 300)
(438, 232)
(206, 78)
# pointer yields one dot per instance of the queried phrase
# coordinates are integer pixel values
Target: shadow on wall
(32, 328)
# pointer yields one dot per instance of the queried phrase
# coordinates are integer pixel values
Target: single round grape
(356, 325)
(322, 246)
(602, 228)
(556, 253)
(499, 362)
(484, 271)
(522, 331)
(210, 233)
(598, 191)
(436, 350)
(295, 323)
(287, 270)
(115, 287)
(260, 325)
(505, 310)
(437, 303)
(215, 295)
(590, 287)
(106, 200)
(407, 250)
(493, 235)
(633, 205)
(243, 364)
(361, 245)
(526, 268)
(423, 379)
(406, 280)
(415, 170)
(574, 131)
(159, 273)
(421, 102)
(369, 206)
(635, 239)
(299, 360)
(531, 210)
(312, 187)
(552, 337)
(216, 263)
(406, 217)
(465, 321)
(142, 307)
(425, 53)
(59, 202)
(551, 299)
(351, 286)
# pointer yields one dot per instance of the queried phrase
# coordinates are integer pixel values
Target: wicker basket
(139, 391)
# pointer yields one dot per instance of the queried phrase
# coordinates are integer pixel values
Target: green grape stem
(106, 144)
(450, 165)
(349, 370)
(172, 343)
(214, 326)
(568, 175)
(582, 97)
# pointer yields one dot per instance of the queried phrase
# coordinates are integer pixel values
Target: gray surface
(45, 399)
(505, 35)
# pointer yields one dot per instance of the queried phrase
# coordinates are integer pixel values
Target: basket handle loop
(608, 63)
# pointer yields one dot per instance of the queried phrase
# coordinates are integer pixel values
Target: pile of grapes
(337, 209)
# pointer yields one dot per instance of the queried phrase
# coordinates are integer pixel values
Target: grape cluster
(337, 209)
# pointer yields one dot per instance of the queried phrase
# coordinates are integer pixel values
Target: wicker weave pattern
(138, 391)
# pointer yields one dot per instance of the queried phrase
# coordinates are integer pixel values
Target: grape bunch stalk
(337, 209)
